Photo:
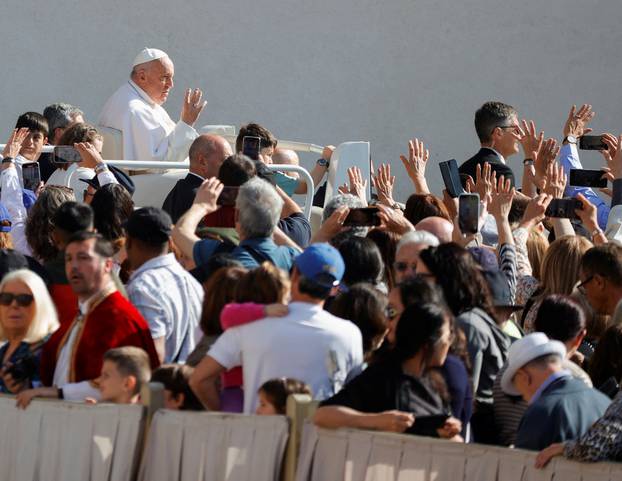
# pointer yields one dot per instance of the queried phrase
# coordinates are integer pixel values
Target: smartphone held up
(468, 213)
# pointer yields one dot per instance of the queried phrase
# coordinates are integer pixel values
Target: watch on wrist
(323, 162)
(570, 139)
(99, 168)
(8, 160)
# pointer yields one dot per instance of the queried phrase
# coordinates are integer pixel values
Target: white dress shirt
(148, 131)
(170, 299)
(11, 197)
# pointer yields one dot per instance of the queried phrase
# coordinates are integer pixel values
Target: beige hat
(147, 55)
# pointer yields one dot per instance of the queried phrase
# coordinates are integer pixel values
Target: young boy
(124, 372)
(30, 151)
(177, 392)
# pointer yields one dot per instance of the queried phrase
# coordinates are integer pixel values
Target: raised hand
(393, 220)
(542, 159)
(193, 106)
(530, 141)
(14, 144)
(535, 210)
(207, 194)
(614, 159)
(357, 184)
(485, 181)
(384, 182)
(90, 157)
(416, 164)
(588, 214)
(576, 123)
(501, 199)
(555, 182)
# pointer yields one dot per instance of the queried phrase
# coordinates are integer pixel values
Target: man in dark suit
(207, 154)
(561, 407)
(499, 133)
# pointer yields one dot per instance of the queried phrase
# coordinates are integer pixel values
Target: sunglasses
(23, 300)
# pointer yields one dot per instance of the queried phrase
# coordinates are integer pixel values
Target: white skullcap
(147, 55)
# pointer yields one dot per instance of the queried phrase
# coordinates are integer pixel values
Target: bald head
(207, 153)
(287, 157)
(438, 226)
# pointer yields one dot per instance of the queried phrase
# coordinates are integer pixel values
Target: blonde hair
(560, 267)
(45, 320)
(537, 245)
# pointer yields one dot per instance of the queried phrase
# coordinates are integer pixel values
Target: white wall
(328, 71)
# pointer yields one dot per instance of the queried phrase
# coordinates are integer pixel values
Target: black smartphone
(451, 177)
(65, 154)
(251, 147)
(564, 208)
(228, 196)
(468, 213)
(592, 142)
(428, 423)
(363, 217)
(31, 175)
(587, 178)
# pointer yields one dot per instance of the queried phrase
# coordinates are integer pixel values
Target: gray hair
(60, 115)
(259, 208)
(417, 237)
(352, 201)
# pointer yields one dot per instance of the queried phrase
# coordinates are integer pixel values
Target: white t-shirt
(72, 177)
(309, 344)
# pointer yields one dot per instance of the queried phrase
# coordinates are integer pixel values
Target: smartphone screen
(592, 142)
(363, 217)
(228, 196)
(31, 175)
(251, 146)
(587, 178)
(564, 208)
(451, 177)
(65, 154)
(468, 213)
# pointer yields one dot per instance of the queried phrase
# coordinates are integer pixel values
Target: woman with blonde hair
(559, 274)
(27, 318)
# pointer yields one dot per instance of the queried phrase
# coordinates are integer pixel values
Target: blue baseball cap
(322, 264)
(5, 219)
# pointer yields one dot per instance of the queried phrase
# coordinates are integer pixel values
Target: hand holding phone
(468, 213)
(66, 154)
(363, 217)
(31, 175)
(564, 208)
(592, 142)
(251, 147)
(451, 177)
(588, 178)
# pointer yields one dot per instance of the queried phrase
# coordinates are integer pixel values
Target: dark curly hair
(39, 226)
(112, 206)
(460, 277)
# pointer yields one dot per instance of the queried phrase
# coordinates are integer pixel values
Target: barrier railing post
(299, 408)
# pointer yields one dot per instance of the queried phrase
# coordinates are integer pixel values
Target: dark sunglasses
(23, 300)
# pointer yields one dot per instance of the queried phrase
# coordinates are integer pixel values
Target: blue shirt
(569, 159)
(281, 256)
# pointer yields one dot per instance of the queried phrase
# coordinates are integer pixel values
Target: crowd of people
(508, 336)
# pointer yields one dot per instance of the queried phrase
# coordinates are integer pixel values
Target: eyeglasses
(402, 266)
(23, 300)
(505, 127)
(581, 285)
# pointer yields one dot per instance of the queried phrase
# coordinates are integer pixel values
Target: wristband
(597, 231)
(99, 168)
(7, 160)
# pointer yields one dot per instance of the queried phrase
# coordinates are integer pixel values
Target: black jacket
(485, 155)
(181, 197)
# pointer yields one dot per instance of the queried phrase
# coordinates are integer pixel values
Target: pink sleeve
(236, 314)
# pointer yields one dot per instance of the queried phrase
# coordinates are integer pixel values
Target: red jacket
(111, 322)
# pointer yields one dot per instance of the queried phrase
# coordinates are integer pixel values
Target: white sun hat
(525, 350)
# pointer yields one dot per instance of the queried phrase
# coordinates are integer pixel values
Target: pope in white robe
(136, 109)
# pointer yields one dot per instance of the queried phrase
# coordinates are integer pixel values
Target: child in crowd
(177, 392)
(124, 372)
(273, 394)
